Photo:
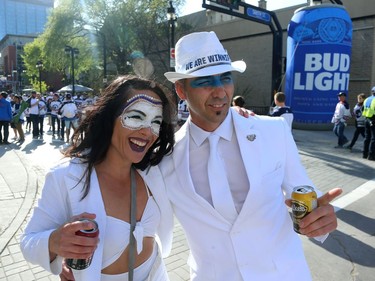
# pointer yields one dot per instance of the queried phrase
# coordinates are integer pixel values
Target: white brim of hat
(239, 66)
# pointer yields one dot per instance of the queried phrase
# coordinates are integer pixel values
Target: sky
(193, 6)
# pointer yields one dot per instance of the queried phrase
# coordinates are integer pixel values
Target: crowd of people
(129, 170)
(29, 113)
(364, 119)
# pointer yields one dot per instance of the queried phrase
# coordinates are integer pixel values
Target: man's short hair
(239, 101)
(280, 97)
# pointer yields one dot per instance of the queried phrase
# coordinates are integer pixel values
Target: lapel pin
(251, 137)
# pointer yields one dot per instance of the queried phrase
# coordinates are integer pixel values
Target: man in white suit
(258, 241)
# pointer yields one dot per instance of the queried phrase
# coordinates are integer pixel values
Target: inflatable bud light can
(318, 63)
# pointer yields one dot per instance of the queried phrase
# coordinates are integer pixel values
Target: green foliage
(32, 53)
(64, 27)
(131, 26)
(126, 27)
(35, 85)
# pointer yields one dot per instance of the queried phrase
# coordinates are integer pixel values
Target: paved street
(348, 253)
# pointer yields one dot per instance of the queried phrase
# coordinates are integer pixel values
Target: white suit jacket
(261, 245)
(60, 201)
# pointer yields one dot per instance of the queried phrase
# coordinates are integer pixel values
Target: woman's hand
(65, 243)
(243, 111)
(66, 273)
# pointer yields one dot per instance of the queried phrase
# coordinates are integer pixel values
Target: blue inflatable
(318, 62)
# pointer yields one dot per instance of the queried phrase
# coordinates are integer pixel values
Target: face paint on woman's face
(142, 111)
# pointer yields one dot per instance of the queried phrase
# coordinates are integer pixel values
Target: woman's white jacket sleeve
(52, 210)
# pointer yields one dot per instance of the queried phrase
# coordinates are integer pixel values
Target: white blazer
(261, 244)
(60, 201)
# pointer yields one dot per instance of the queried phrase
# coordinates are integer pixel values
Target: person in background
(281, 110)
(12, 124)
(18, 119)
(241, 230)
(369, 114)
(126, 135)
(42, 113)
(5, 118)
(48, 99)
(182, 113)
(359, 120)
(54, 105)
(62, 121)
(238, 103)
(33, 102)
(27, 114)
(69, 115)
(28, 120)
(339, 119)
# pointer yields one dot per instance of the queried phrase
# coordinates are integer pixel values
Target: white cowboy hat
(202, 54)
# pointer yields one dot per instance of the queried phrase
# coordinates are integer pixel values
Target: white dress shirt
(229, 151)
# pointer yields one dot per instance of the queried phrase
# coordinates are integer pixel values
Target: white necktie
(221, 196)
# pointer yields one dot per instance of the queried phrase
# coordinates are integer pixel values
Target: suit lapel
(181, 158)
(249, 141)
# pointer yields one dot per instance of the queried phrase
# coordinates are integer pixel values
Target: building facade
(253, 42)
(23, 17)
(21, 21)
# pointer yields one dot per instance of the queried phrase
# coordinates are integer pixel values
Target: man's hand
(321, 220)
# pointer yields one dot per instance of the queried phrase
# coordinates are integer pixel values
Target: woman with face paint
(110, 176)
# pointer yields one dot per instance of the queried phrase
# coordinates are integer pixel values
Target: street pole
(39, 65)
(72, 52)
(73, 80)
(104, 58)
(172, 18)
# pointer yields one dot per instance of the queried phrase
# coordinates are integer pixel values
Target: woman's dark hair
(93, 136)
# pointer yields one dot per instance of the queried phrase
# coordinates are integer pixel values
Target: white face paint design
(142, 111)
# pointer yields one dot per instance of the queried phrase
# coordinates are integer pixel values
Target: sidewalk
(22, 170)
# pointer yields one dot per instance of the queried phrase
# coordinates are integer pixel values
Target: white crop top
(117, 232)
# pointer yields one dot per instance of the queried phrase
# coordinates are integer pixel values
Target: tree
(132, 28)
(129, 29)
(64, 27)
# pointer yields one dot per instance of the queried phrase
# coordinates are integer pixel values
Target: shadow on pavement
(4, 148)
(361, 222)
(33, 145)
(348, 248)
(355, 166)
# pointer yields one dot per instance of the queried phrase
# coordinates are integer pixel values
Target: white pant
(151, 270)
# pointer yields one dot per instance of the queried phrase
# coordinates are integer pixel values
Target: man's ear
(180, 89)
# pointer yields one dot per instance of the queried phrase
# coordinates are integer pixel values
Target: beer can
(304, 200)
(79, 264)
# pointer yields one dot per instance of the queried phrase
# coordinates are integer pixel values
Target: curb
(26, 205)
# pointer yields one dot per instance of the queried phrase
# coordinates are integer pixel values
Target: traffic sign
(172, 53)
(259, 15)
(172, 61)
